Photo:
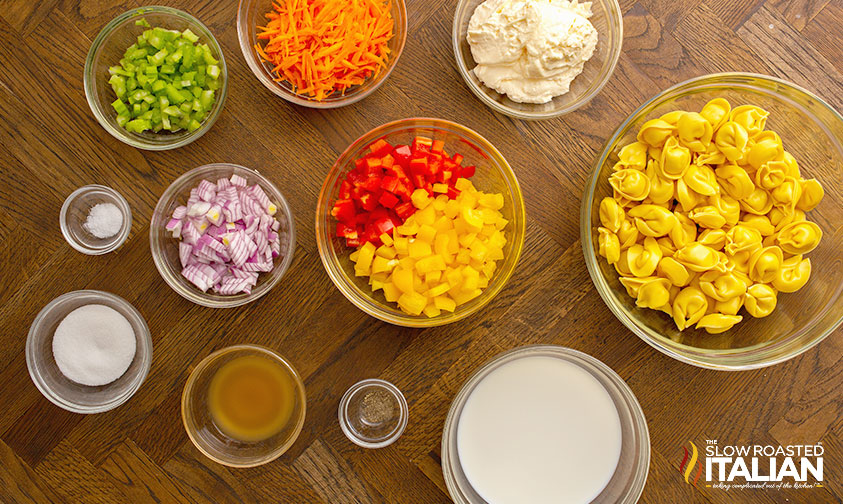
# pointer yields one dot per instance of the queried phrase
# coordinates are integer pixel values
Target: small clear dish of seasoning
(95, 219)
(87, 335)
(373, 413)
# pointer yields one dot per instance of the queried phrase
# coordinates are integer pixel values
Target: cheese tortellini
(707, 217)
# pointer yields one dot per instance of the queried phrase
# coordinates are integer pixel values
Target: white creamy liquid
(539, 430)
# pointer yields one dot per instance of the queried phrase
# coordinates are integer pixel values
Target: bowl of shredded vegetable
(155, 78)
(320, 53)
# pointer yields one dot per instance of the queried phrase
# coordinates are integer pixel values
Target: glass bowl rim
(89, 80)
(119, 238)
(206, 362)
(615, 12)
(199, 297)
(253, 63)
(589, 363)
(365, 302)
(720, 359)
(391, 389)
(136, 382)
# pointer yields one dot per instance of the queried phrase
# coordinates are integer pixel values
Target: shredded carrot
(323, 47)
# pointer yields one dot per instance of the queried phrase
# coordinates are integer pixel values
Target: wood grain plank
(779, 45)
(75, 479)
(25, 16)
(331, 476)
(139, 477)
(798, 12)
(823, 33)
(18, 482)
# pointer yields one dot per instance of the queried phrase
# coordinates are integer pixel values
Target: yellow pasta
(707, 217)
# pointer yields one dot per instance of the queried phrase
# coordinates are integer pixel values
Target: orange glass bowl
(493, 175)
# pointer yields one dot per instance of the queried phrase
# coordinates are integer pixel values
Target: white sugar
(94, 345)
(104, 220)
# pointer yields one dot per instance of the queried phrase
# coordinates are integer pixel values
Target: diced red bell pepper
(467, 171)
(434, 166)
(346, 231)
(453, 192)
(356, 177)
(345, 190)
(384, 225)
(387, 161)
(405, 210)
(373, 162)
(457, 159)
(419, 166)
(402, 154)
(438, 146)
(344, 211)
(419, 181)
(372, 184)
(353, 242)
(368, 202)
(403, 190)
(388, 199)
(422, 144)
(380, 147)
(389, 183)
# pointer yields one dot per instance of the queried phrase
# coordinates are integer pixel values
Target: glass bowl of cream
(536, 59)
(545, 424)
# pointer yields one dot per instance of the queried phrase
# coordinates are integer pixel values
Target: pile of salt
(104, 220)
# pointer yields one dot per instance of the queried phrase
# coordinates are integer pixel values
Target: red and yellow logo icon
(690, 461)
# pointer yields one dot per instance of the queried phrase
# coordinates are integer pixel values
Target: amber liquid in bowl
(251, 398)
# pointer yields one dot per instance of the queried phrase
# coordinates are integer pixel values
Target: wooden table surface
(50, 144)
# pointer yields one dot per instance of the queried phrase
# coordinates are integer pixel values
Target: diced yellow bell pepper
(454, 276)
(440, 188)
(467, 239)
(426, 234)
(463, 257)
(478, 250)
(493, 201)
(401, 245)
(419, 249)
(432, 277)
(465, 296)
(386, 239)
(438, 290)
(376, 285)
(452, 208)
(391, 292)
(473, 218)
(386, 251)
(501, 223)
(409, 228)
(381, 264)
(431, 310)
(354, 255)
(428, 264)
(407, 263)
(403, 280)
(412, 303)
(426, 216)
(364, 259)
(463, 184)
(420, 199)
(444, 303)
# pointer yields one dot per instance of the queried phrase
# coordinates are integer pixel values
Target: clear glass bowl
(107, 50)
(250, 15)
(165, 248)
(626, 484)
(66, 393)
(493, 175)
(207, 437)
(373, 413)
(813, 132)
(608, 22)
(74, 213)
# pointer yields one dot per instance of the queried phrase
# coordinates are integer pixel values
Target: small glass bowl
(165, 248)
(626, 484)
(493, 175)
(66, 393)
(107, 50)
(250, 15)
(74, 213)
(205, 434)
(812, 131)
(373, 413)
(607, 20)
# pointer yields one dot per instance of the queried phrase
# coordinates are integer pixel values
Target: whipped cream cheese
(531, 50)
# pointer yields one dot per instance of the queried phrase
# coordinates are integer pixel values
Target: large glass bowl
(607, 20)
(493, 175)
(251, 15)
(625, 485)
(813, 132)
(108, 49)
(165, 248)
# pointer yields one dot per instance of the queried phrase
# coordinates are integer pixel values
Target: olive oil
(251, 398)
